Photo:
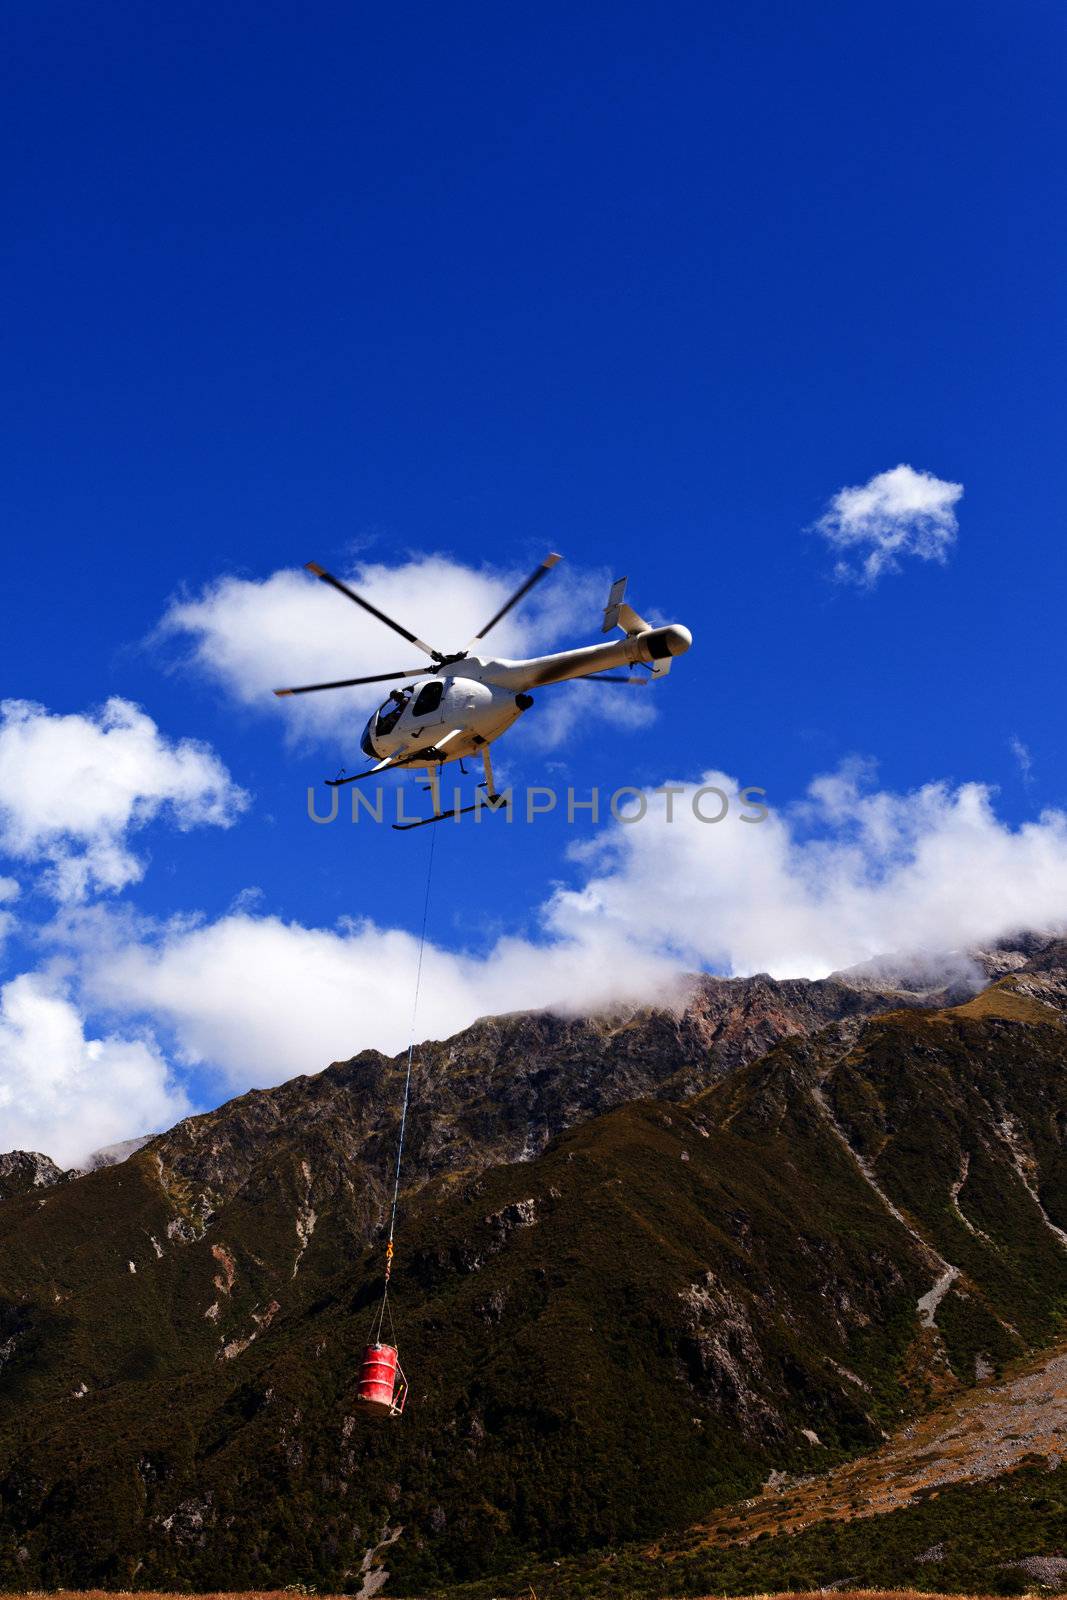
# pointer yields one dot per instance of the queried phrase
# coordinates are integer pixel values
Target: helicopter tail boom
(652, 647)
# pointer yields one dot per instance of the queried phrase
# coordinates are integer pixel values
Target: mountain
(644, 1261)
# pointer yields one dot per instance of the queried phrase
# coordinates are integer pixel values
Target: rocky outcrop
(24, 1171)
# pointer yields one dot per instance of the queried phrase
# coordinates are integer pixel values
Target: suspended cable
(384, 1308)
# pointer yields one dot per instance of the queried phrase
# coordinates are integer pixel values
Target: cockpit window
(428, 698)
(390, 713)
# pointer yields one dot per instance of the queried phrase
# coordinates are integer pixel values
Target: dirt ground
(288, 1594)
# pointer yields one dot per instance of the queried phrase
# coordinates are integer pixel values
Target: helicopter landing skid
(492, 800)
(488, 804)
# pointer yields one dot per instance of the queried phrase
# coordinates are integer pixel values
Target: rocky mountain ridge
(499, 1090)
(712, 1025)
(542, 1071)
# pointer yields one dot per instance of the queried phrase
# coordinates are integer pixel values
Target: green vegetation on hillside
(603, 1343)
(963, 1540)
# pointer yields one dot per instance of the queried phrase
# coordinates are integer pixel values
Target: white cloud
(1025, 760)
(73, 787)
(261, 999)
(253, 636)
(851, 873)
(894, 515)
(67, 1095)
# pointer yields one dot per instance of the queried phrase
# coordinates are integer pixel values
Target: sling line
(384, 1309)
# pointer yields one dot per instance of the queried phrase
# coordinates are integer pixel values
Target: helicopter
(460, 705)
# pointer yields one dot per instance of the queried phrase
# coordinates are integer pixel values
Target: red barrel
(382, 1385)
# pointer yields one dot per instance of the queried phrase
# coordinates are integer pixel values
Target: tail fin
(611, 610)
(619, 615)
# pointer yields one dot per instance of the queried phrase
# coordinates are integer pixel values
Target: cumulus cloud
(260, 999)
(850, 873)
(253, 636)
(896, 514)
(72, 789)
(65, 1094)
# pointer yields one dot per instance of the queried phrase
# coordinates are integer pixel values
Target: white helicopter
(461, 704)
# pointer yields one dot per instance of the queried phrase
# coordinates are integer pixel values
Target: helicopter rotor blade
(609, 677)
(342, 588)
(349, 683)
(535, 577)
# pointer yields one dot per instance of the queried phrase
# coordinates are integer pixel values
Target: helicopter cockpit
(388, 715)
(385, 718)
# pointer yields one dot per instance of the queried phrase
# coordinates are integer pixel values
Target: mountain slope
(971, 1497)
(606, 1340)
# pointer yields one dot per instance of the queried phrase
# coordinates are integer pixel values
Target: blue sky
(647, 286)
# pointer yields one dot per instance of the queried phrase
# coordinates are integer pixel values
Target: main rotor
(439, 658)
